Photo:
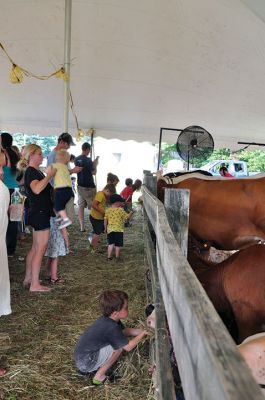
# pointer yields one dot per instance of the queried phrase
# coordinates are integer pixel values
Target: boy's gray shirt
(103, 332)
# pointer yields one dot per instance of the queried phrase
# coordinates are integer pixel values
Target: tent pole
(67, 53)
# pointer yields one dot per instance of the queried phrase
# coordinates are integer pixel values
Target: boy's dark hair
(86, 146)
(111, 188)
(112, 300)
(137, 184)
(114, 198)
(111, 178)
(128, 182)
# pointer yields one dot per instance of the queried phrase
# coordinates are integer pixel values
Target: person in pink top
(128, 191)
(224, 172)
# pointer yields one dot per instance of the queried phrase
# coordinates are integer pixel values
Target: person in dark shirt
(38, 191)
(102, 343)
(86, 187)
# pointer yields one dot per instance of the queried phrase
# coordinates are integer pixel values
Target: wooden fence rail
(210, 366)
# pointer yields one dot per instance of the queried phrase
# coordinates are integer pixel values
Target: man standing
(65, 140)
(86, 188)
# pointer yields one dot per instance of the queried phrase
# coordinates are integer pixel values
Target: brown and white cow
(236, 287)
(228, 213)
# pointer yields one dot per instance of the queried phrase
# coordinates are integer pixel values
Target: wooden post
(150, 182)
(160, 349)
(177, 209)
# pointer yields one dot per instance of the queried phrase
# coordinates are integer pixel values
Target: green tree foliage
(255, 159)
(45, 142)
(219, 154)
(48, 143)
(168, 152)
(19, 140)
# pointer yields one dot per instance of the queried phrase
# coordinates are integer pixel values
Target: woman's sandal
(56, 281)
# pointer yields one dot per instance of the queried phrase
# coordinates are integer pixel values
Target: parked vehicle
(236, 168)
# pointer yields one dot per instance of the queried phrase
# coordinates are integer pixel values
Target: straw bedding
(37, 339)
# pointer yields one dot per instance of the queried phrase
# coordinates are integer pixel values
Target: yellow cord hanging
(16, 74)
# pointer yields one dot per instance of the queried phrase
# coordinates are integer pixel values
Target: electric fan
(194, 143)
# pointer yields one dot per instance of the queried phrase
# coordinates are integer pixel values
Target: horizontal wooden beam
(209, 363)
(164, 379)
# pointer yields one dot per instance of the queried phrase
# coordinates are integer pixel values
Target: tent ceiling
(137, 66)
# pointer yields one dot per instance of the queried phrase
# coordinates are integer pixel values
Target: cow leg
(242, 242)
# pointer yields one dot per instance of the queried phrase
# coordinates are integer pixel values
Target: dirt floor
(37, 339)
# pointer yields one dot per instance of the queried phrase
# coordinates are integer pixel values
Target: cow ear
(149, 309)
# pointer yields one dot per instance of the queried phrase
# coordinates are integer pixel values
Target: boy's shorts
(62, 196)
(85, 196)
(104, 355)
(115, 238)
(97, 224)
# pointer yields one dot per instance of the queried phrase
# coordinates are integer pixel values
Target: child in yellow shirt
(115, 217)
(63, 187)
(97, 213)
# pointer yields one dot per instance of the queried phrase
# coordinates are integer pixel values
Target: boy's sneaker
(89, 238)
(65, 222)
(58, 219)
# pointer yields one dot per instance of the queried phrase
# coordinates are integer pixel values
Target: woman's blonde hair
(27, 152)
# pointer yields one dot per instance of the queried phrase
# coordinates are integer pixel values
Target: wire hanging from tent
(17, 73)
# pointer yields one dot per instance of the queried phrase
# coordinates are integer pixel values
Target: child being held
(63, 187)
(115, 217)
(102, 343)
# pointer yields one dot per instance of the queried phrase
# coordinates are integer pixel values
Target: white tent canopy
(138, 66)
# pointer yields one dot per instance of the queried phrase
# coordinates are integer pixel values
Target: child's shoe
(109, 379)
(27, 230)
(89, 238)
(65, 222)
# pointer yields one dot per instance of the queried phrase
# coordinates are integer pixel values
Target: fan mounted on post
(194, 143)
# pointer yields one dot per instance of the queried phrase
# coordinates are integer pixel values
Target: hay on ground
(38, 338)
